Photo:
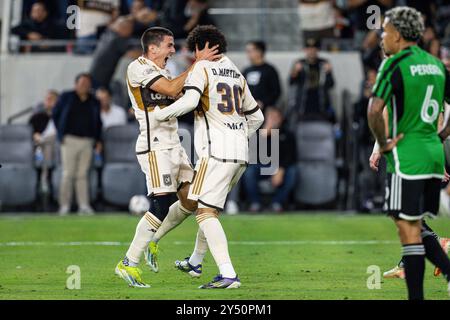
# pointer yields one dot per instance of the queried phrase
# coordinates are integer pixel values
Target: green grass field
(291, 256)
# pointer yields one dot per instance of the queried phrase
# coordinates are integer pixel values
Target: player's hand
(207, 53)
(374, 161)
(391, 144)
(446, 176)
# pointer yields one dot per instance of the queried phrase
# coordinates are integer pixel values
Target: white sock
(177, 214)
(145, 230)
(201, 247)
(217, 242)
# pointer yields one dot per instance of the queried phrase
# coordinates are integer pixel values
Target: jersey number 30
(428, 104)
(231, 98)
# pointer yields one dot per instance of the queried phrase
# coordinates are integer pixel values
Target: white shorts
(166, 170)
(213, 180)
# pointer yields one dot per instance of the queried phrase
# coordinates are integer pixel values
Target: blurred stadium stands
(329, 179)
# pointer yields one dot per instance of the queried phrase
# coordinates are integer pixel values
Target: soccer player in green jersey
(412, 84)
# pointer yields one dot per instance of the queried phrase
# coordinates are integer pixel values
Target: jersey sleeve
(197, 78)
(383, 87)
(249, 104)
(143, 75)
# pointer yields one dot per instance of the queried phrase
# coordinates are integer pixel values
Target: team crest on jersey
(167, 179)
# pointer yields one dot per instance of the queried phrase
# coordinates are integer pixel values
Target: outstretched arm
(185, 104)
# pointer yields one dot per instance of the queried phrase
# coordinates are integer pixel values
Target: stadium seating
(18, 177)
(121, 176)
(317, 164)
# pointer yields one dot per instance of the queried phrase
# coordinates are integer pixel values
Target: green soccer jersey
(414, 85)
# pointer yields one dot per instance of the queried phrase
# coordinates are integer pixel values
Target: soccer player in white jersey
(162, 158)
(226, 114)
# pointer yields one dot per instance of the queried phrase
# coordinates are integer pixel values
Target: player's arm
(382, 92)
(184, 105)
(375, 157)
(252, 112)
(255, 119)
(445, 132)
(194, 86)
(168, 87)
(174, 87)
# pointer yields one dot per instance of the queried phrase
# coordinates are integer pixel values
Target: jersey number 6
(428, 104)
(231, 98)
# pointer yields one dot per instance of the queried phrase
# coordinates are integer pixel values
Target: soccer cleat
(131, 275)
(397, 272)
(151, 256)
(445, 244)
(220, 282)
(185, 266)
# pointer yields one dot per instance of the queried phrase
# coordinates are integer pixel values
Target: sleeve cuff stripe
(151, 82)
(193, 88)
(251, 111)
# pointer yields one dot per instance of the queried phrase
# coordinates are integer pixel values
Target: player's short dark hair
(259, 45)
(83, 75)
(408, 22)
(203, 34)
(154, 35)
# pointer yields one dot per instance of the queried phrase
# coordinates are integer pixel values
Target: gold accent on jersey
(154, 173)
(136, 91)
(200, 177)
(204, 99)
(155, 162)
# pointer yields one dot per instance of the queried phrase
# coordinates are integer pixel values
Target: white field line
(239, 243)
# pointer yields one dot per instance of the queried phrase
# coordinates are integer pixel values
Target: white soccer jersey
(221, 129)
(154, 135)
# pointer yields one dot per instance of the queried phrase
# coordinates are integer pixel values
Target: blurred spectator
(44, 136)
(317, 18)
(443, 20)
(262, 77)
(113, 44)
(430, 42)
(111, 114)
(181, 16)
(371, 52)
(78, 123)
(143, 16)
(94, 15)
(310, 82)
(284, 180)
(360, 114)
(38, 27)
(371, 184)
(56, 8)
(127, 5)
(358, 14)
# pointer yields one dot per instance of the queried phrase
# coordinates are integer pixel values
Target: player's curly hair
(408, 22)
(202, 34)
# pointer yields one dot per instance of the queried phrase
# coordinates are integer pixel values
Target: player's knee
(161, 205)
(190, 205)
